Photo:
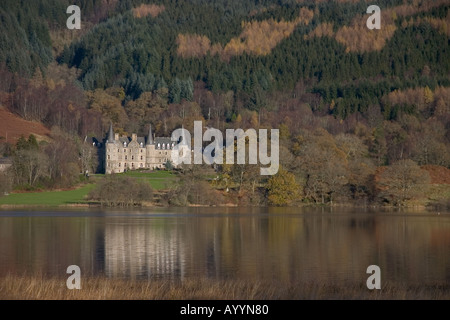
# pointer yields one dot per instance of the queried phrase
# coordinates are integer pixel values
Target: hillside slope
(12, 127)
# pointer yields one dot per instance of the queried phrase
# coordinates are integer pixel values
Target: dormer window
(142, 145)
(159, 145)
(124, 144)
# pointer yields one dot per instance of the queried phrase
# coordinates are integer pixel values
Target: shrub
(118, 190)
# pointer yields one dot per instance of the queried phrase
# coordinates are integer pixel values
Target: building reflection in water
(138, 251)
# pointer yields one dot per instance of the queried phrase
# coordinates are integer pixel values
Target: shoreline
(228, 205)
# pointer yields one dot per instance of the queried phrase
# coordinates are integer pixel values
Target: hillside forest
(364, 115)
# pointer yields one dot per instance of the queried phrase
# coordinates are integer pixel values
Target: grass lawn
(158, 180)
(48, 198)
(153, 174)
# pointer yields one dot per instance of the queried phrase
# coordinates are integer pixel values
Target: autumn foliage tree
(402, 181)
(282, 189)
(323, 164)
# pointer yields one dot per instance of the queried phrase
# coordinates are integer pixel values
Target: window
(118, 150)
(126, 157)
(141, 150)
(140, 165)
(124, 150)
(132, 165)
(119, 164)
(108, 157)
(142, 158)
(132, 157)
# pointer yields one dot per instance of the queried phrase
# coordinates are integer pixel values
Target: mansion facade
(124, 153)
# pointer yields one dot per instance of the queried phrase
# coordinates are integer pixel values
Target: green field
(48, 198)
(158, 180)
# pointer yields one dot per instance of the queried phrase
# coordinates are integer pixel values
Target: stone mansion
(123, 153)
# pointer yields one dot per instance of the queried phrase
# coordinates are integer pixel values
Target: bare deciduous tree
(404, 180)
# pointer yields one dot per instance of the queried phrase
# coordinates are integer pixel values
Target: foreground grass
(100, 288)
(48, 198)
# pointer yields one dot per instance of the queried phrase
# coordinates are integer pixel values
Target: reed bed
(15, 287)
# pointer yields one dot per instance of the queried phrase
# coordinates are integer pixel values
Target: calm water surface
(257, 243)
